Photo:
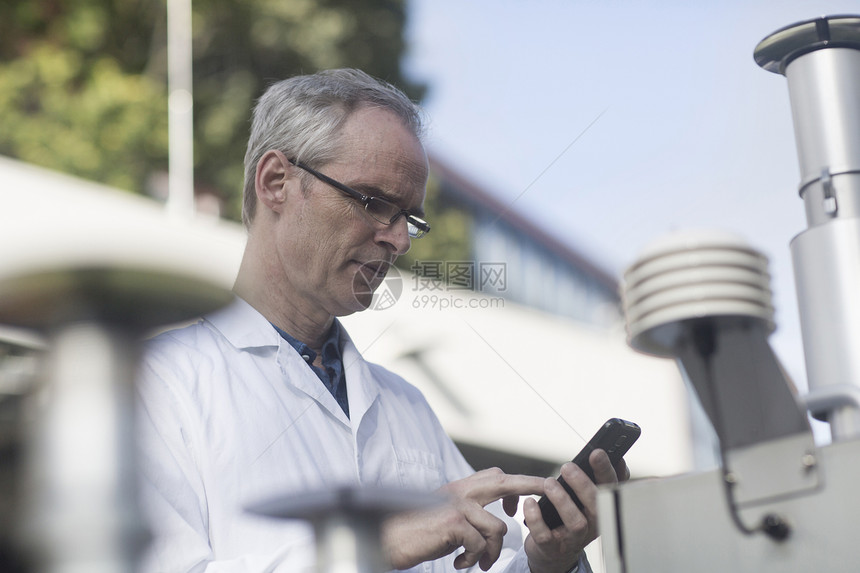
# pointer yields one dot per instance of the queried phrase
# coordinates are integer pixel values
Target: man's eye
(378, 207)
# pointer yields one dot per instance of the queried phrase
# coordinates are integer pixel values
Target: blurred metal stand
(82, 494)
(347, 523)
(92, 287)
(20, 353)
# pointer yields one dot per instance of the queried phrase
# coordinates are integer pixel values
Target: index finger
(490, 485)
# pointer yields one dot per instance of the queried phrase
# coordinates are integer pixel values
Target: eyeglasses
(380, 209)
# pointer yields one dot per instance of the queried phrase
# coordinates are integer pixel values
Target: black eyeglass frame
(420, 226)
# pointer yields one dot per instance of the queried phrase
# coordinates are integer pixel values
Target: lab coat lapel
(246, 328)
(362, 388)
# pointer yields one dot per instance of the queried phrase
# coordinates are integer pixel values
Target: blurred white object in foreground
(90, 280)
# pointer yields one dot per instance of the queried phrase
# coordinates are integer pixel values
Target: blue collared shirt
(331, 374)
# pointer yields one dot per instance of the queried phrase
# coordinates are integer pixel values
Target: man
(270, 397)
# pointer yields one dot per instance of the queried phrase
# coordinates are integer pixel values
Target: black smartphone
(615, 437)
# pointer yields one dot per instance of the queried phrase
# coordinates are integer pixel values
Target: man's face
(333, 254)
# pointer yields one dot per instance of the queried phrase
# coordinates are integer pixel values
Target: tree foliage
(83, 83)
(72, 93)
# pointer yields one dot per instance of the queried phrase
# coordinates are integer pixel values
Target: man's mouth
(374, 270)
(370, 275)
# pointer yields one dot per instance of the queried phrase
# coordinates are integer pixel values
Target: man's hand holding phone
(614, 437)
(565, 519)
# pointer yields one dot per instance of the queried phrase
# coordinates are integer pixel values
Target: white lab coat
(230, 414)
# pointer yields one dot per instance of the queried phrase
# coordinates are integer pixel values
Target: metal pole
(821, 60)
(82, 456)
(180, 200)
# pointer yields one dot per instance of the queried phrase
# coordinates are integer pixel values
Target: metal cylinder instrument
(778, 502)
(821, 60)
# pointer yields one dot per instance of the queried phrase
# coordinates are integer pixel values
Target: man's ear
(271, 179)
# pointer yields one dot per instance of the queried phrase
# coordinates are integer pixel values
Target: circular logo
(377, 285)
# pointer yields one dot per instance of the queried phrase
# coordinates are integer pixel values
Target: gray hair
(302, 117)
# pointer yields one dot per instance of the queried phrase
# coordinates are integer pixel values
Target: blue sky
(612, 123)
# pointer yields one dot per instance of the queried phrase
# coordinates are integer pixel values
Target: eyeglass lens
(387, 213)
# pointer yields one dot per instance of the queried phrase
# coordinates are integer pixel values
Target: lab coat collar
(243, 326)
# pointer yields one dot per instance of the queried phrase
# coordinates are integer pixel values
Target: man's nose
(396, 236)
